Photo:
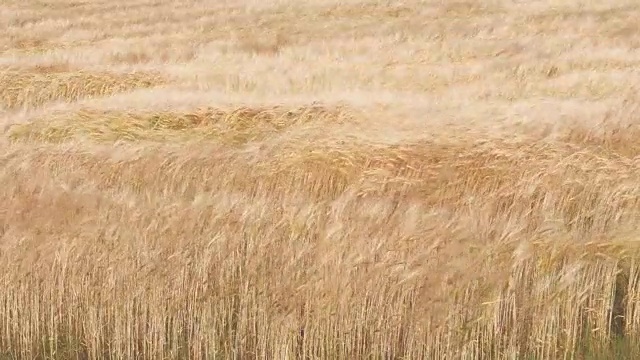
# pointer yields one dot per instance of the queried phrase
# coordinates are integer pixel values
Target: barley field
(322, 179)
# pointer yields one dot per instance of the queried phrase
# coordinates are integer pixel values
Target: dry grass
(324, 179)
(29, 89)
(233, 126)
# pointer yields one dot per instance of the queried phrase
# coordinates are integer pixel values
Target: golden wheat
(330, 179)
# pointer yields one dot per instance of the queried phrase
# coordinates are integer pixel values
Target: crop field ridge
(356, 179)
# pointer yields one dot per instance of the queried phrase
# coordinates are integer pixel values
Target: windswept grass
(29, 89)
(231, 126)
(474, 195)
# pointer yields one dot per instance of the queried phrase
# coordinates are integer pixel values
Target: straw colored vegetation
(323, 179)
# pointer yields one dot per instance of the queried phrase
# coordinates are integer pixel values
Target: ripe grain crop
(319, 180)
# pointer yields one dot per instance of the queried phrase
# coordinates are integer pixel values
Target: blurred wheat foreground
(328, 180)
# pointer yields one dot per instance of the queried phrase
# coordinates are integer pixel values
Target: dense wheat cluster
(324, 179)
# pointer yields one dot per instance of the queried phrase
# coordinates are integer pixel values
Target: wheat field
(356, 179)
